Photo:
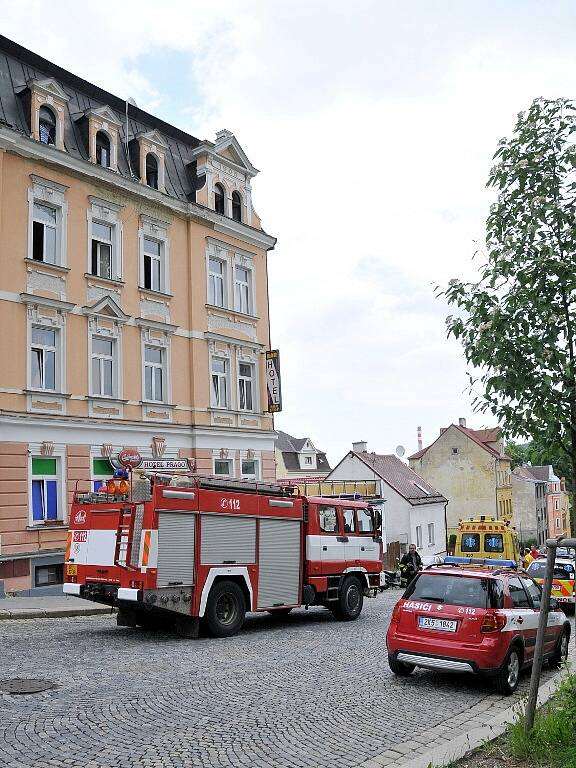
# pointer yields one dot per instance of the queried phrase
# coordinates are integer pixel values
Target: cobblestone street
(298, 692)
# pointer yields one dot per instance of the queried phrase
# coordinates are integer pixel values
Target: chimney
(462, 422)
(419, 438)
(360, 447)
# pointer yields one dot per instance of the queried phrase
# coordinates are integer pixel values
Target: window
(153, 278)
(249, 468)
(102, 149)
(454, 451)
(45, 478)
(471, 542)
(308, 460)
(533, 592)
(236, 206)
(103, 366)
(44, 233)
(102, 470)
(493, 542)
(47, 126)
(216, 282)
(431, 537)
(219, 199)
(223, 467)
(102, 250)
(219, 382)
(328, 519)
(517, 594)
(468, 591)
(418, 536)
(151, 171)
(349, 523)
(46, 575)
(243, 292)
(43, 358)
(364, 521)
(245, 386)
(154, 373)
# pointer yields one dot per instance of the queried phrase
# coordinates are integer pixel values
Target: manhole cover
(22, 685)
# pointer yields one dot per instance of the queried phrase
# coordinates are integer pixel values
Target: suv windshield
(561, 570)
(454, 589)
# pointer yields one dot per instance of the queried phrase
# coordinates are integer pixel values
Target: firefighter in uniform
(410, 564)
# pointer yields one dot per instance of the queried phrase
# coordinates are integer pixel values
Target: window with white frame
(46, 503)
(153, 265)
(250, 469)
(103, 366)
(418, 536)
(246, 386)
(102, 470)
(102, 249)
(223, 467)
(431, 536)
(216, 282)
(219, 376)
(154, 373)
(308, 460)
(243, 291)
(43, 358)
(45, 233)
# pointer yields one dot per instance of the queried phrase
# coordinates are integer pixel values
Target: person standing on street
(410, 564)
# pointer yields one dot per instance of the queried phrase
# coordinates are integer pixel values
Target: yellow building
(133, 303)
(469, 467)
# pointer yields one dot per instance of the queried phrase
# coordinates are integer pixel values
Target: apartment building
(133, 303)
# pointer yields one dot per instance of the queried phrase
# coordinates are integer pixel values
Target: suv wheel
(507, 679)
(561, 651)
(399, 667)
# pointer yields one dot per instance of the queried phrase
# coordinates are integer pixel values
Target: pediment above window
(48, 87)
(153, 137)
(105, 114)
(106, 307)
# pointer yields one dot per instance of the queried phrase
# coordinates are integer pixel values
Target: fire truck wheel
(350, 600)
(225, 609)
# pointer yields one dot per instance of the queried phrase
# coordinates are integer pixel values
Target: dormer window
(47, 126)
(102, 149)
(151, 171)
(236, 206)
(219, 198)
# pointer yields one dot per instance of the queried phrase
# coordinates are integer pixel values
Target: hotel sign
(273, 381)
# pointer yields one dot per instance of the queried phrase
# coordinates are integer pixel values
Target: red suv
(464, 618)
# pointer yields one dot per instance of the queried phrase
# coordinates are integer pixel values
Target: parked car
(473, 618)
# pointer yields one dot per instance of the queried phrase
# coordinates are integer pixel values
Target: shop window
(45, 494)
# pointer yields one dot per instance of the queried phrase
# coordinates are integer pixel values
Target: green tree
(539, 455)
(517, 323)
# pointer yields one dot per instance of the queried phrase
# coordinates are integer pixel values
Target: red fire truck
(183, 549)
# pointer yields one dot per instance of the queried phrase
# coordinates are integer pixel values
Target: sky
(373, 124)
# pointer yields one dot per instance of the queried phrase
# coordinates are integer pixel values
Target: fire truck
(180, 550)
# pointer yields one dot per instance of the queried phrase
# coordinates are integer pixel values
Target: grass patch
(552, 741)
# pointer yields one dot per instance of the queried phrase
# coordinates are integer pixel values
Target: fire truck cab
(177, 550)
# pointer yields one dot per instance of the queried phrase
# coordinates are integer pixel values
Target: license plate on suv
(442, 625)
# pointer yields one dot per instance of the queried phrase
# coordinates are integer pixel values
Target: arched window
(236, 206)
(218, 198)
(47, 126)
(151, 171)
(102, 149)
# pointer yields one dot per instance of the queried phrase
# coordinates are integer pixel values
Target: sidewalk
(53, 606)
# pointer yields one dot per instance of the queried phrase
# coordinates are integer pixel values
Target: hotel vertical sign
(273, 381)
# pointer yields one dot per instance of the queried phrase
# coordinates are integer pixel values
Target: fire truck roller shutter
(228, 539)
(175, 548)
(279, 572)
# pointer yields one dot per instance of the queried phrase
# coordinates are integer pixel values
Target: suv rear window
(471, 542)
(561, 570)
(469, 591)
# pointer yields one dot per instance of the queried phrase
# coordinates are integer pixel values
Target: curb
(51, 613)
(459, 746)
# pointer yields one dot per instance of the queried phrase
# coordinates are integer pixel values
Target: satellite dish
(400, 451)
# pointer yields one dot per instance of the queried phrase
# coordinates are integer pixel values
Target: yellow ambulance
(562, 579)
(485, 537)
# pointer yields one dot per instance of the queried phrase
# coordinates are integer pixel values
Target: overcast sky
(373, 124)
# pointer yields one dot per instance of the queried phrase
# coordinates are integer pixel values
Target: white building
(415, 513)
